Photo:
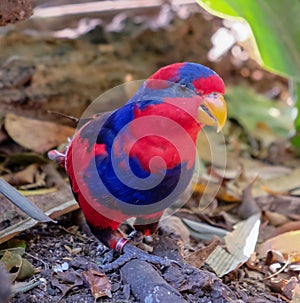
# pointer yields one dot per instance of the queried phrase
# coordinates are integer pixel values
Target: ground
(50, 245)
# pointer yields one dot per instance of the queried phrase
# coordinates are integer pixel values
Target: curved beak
(213, 111)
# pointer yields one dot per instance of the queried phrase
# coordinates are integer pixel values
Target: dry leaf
(275, 218)
(22, 268)
(36, 135)
(282, 183)
(268, 172)
(287, 243)
(249, 206)
(289, 226)
(11, 261)
(274, 192)
(174, 225)
(296, 294)
(66, 281)
(275, 257)
(203, 230)
(25, 176)
(269, 178)
(198, 257)
(240, 244)
(26, 270)
(98, 282)
(285, 287)
(222, 192)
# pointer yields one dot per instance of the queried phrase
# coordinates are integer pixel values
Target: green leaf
(14, 246)
(250, 109)
(13, 243)
(18, 267)
(276, 28)
(296, 138)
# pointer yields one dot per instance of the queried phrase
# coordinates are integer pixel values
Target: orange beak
(213, 111)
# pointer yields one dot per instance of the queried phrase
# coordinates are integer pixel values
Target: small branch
(147, 285)
(103, 7)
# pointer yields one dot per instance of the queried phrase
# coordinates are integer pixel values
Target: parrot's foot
(132, 252)
(136, 237)
(109, 257)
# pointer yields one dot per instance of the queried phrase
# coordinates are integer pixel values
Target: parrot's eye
(183, 86)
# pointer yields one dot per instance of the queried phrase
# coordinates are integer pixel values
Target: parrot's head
(193, 81)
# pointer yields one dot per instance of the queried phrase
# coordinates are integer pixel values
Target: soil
(49, 245)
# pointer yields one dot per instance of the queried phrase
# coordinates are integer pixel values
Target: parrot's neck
(169, 118)
(162, 135)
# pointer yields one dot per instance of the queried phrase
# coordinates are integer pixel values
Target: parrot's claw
(136, 237)
(109, 257)
(132, 252)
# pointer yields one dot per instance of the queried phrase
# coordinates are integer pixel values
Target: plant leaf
(240, 244)
(36, 135)
(275, 25)
(98, 282)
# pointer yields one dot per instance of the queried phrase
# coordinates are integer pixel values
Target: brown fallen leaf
(275, 256)
(296, 294)
(289, 226)
(65, 281)
(36, 135)
(285, 205)
(285, 287)
(222, 192)
(281, 184)
(287, 243)
(174, 225)
(249, 206)
(274, 218)
(98, 282)
(25, 176)
(198, 257)
(274, 192)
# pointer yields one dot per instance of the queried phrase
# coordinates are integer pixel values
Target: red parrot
(137, 160)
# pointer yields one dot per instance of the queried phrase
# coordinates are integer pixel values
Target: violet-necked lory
(138, 159)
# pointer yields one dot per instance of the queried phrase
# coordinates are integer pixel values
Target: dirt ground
(46, 248)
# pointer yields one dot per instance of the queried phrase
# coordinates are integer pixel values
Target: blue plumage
(105, 184)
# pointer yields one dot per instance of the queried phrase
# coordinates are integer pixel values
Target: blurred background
(57, 62)
(69, 52)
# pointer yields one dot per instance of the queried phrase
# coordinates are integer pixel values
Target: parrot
(135, 161)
